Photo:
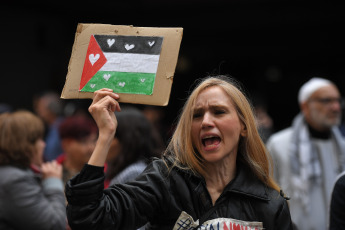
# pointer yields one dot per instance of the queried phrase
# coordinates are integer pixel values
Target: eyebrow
(213, 107)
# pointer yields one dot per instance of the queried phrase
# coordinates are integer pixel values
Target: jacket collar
(246, 183)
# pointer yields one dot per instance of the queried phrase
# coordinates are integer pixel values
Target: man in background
(310, 154)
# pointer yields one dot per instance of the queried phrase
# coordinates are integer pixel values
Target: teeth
(204, 139)
(210, 140)
(209, 137)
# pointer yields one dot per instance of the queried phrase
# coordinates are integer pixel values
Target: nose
(207, 120)
(42, 143)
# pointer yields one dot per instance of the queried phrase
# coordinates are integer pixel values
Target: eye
(219, 111)
(197, 115)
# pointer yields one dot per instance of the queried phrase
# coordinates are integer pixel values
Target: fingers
(51, 169)
(105, 98)
(107, 102)
(53, 165)
(99, 94)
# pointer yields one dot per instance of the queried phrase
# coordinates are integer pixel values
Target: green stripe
(133, 83)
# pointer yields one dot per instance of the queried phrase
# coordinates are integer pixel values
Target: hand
(51, 169)
(102, 109)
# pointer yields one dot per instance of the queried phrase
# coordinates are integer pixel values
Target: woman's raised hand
(102, 109)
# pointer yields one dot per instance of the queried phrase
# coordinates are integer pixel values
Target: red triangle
(94, 61)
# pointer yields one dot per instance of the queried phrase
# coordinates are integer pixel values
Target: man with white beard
(310, 154)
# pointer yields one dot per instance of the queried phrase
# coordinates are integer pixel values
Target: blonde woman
(215, 173)
(31, 192)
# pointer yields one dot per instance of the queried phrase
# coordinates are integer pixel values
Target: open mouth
(210, 141)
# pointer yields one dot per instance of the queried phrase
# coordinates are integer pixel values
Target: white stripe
(139, 63)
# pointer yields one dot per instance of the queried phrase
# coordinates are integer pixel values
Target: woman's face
(80, 151)
(38, 155)
(216, 127)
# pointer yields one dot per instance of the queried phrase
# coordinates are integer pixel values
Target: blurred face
(216, 127)
(323, 109)
(38, 155)
(114, 150)
(78, 152)
(41, 109)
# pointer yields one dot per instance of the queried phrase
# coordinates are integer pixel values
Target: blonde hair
(251, 151)
(19, 132)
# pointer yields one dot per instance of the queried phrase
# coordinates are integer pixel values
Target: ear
(305, 108)
(303, 105)
(243, 130)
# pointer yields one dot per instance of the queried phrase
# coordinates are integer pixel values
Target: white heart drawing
(129, 47)
(110, 42)
(93, 58)
(106, 76)
(122, 84)
(92, 85)
(151, 43)
(142, 79)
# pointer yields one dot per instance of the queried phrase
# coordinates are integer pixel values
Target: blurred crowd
(41, 149)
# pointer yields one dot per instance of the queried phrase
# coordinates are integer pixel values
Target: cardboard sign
(138, 63)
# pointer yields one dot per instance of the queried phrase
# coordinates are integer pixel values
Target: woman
(78, 135)
(126, 160)
(31, 192)
(215, 173)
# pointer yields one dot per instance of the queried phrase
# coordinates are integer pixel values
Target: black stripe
(141, 44)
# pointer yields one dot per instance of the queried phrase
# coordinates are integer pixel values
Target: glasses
(329, 101)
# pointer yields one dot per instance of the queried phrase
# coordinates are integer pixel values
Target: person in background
(78, 134)
(136, 142)
(264, 121)
(337, 208)
(31, 192)
(49, 107)
(157, 116)
(215, 171)
(309, 155)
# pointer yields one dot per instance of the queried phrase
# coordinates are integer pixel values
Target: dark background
(272, 47)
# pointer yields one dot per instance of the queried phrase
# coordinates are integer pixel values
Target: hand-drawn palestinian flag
(126, 64)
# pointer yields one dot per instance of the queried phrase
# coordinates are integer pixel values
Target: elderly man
(310, 154)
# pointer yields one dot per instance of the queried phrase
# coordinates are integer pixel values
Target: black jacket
(159, 196)
(337, 212)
